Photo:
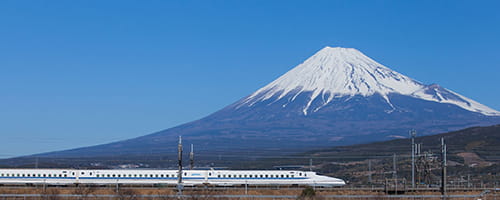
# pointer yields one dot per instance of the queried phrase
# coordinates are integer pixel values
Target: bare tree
(50, 194)
(84, 191)
(126, 194)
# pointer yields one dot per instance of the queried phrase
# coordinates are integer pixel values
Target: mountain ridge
(291, 120)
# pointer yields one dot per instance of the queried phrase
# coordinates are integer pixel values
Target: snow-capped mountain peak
(335, 72)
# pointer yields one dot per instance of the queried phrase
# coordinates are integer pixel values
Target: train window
(305, 174)
(65, 175)
(210, 174)
(44, 175)
(240, 175)
(83, 173)
(2, 174)
(218, 176)
(140, 175)
(288, 176)
(151, 175)
(266, 175)
(22, 175)
(119, 175)
(224, 176)
(229, 176)
(156, 175)
(97, 175)
(282, 176)
(185, 174)
(262, 176)
(90, 173)
(245, 175)
(300, 174)
(168, 175)
(34, 175)
(108, 175)
(73, 173)
(50, 175)
(114, 175)
(250, 176)
(161, 175)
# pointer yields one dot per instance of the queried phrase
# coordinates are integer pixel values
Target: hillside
(473, 153)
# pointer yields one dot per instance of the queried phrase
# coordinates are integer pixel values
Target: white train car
(169, 177)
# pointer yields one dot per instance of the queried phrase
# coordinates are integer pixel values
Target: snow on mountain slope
(338, 72)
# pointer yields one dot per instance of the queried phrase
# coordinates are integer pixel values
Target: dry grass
(89, 192)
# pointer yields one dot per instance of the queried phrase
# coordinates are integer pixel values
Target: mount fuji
(338, 96)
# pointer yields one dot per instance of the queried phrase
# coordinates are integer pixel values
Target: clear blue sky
(78, 73)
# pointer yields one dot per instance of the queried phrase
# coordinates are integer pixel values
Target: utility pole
(191, 158)
(310, 164)
(413, 133)
(179, 176)
(369, 171)
(443, 167)
(394, 175)
(468, 180)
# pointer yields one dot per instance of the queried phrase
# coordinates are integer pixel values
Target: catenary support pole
(443, 167)
(370, 171)
(191, 158)
(179, 176)
(413, 133)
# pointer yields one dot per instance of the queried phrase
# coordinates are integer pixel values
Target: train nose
(337, 182)
(329, 181)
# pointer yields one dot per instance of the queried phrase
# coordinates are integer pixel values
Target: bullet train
(168, 177)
